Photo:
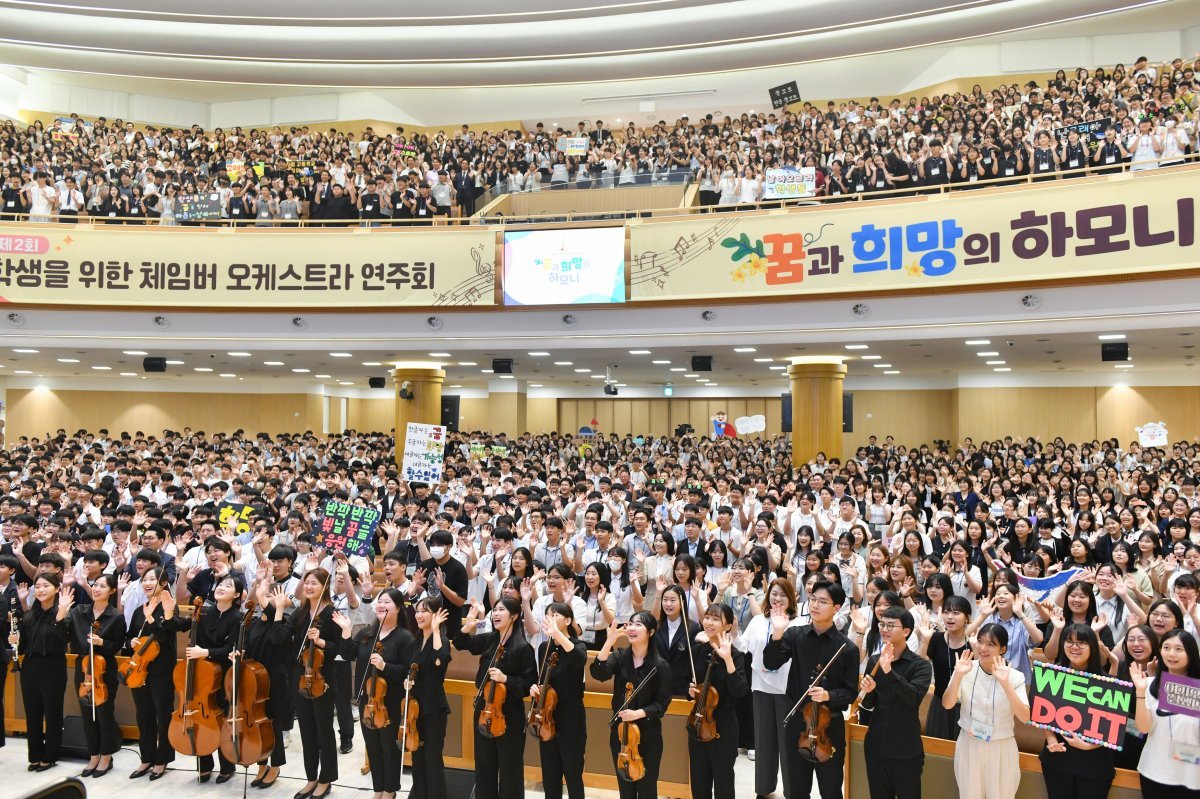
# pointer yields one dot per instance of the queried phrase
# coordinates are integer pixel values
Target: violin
(196, 723)
(93, 690)
(491, 722)
(815, 745)
(541, 713)
(701, 723)
(630, 766)
(409, 736)
(312, 663)
(137, 668)
(374, 713)
(248, 735)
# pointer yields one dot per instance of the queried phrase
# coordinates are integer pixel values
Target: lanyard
(974, 685)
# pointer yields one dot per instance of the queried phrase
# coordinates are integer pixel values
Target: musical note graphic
(656, 267)
(473, 289)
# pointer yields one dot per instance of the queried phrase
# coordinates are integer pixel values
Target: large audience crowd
(947, 532)
(1137, 117)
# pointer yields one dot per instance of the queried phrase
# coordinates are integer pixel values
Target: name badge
(1185, 753)
(857, 187)
(369, 208)
(935, 171)
(1108, 159)
(980, 731)
(112, 213)
(1008, 173)
(1074, 164)
(237, 211)
(973, 178)
(11, 203)
(287, 216)
(987, 161)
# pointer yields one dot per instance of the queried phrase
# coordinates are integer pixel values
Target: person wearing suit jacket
(674, 639)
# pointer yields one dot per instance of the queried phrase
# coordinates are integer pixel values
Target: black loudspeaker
(376, 382)
(74, 742)
(154, 364)
(701, 363)
(847, 412)
(502, 366)
(787, 412)
(460, 782)
(1114, 351)
(450, 411)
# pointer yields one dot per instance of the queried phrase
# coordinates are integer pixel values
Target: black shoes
(346, 748)
(142, 772)
(157, 775)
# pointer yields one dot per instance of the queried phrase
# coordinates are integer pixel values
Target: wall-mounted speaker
(502, 366)
(701, 363)
(376, 382)
(154, 364)
(1114, 351)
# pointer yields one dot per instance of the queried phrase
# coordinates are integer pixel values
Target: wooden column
(425, 407)
(816, 406)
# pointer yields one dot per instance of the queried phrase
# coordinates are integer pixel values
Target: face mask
(614, 566)
(437, 552)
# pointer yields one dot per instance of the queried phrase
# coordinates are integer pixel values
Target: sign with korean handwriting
(1089, 132)
(1179, 695)
(302, 167)
(1093, 707)
(106, 266)
(1146, 222)
(198, 207)
(235, 169)
(406, 151)
(424, 453)
(572, 145)
(789, 182)
(785, 94)
(228, 511)
(346, 528)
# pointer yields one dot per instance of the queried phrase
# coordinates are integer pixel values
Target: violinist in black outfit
(313, 621)
(154, 701)
(427, 689)
(809, 649)
(712, 761)
(268, 641)
(10, 611)
(673, 639)
(499, 767)
(562, 757)
(390, 664)
(102, 734)
(43, 645)
(630, 666)
(215, 639)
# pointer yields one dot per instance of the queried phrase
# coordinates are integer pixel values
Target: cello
(815, 745)
(630, 765)
(491, 722)
(700, 722)
(93, 690)
(137, 668)
(196, 723)
(541, 712)
(248, 735)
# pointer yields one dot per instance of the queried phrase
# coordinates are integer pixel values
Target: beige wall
(376, 415)
(660, 417)
(34, 412)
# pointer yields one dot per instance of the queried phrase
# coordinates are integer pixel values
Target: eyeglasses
(887, 628)
(820, 601)
(1075, 644)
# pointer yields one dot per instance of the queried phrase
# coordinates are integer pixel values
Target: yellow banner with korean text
(243, 268)
(1133, 223)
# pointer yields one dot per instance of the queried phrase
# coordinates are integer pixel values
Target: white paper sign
(745, 425)
(1152, 434)
(424, 453)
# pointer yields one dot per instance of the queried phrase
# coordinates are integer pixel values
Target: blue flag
(1040, 588)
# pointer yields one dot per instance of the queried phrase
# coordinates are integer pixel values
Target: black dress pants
(896, 778)
(651, 749)
(315, 717)
(343, 688)
(711, 763)
(154, 702)
(562, 760)
(428, 770)
(500, 762)
(43, 686)
(383, 752)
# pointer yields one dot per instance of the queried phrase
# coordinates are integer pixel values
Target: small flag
(1040, 588)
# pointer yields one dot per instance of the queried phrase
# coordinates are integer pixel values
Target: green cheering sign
(1092, 707)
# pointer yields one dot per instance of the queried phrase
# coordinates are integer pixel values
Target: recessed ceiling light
(467, 363)
(871, 357)
(180, 363)
(340, 355)
(22, 372)
(763, 360)
(703, 380)
(377, 363)
(583, 370)
(239, 354)
(103, 368)
(661, 363)
(1105, 337)
(987, 354)
(351, 382)
(691, 375)
(639, 352)
(487, 371)
(678, 369)
(228, 374)
(597, 377)
(978, 342)
(198, 368)
(744, 349)
(882, 365)
(1123, 366)
(439, 355)
(508, 377)
(858, 346)
(453, 386)
(134, 352)
(539, 354)
(622, 385)
(68, 360)
(1002, 369)
(129, 374)
(301, 371)
(564, 363)
(27, 352)
(995, 363)
(535, 385)
(319, 377)
(710, 385)
(892, 372)
(776, 368)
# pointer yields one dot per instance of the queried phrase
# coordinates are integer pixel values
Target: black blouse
(654, 698)
(517, 665)
(428, 688)
(163, 630)
(566, 678)
(217, 632)
(42, 633)
(730, 687)
(328, 630)
(398, 650)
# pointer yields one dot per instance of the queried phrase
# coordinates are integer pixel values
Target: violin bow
(814, 682)
(362, 685)
(313, 622)
(92, 678)
(641, 685)
(541, 676)
(687, 636)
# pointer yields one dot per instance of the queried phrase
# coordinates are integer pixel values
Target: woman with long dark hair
(562, 755)
(154, 700)
(427, 689)
(313, 621)
(43, 646)
(100, 629)
(1168, 766)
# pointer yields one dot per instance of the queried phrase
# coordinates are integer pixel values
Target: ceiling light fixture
(1123, 366)
(265, 363)
(138, 352)
(239, 354)
(27, 352)
(465, 363)
(987, 354)
(882, 365)
(871, 357)
(301, 371)
(678, 369)
(180, 363)
(892, 372)
(439, 355)
(1105, 337)
(978, 342)
(68, 360)
(1002, 369)
(639, 352)
(661, 363)
(745, 349)
(539, 354)
(583, 370)
(995, 363)
(564, 363)
(378, 363)
(102, 368)
(198, 368)
(340, 355)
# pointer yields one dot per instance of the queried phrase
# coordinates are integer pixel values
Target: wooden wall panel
(660, 417)
(990, 413)
(913, 417)
(622, 417)
(473, 414)
(371, 415)
(541, 414)
(1120, 409)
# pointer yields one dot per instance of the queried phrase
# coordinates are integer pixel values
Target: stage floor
(180, 782)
